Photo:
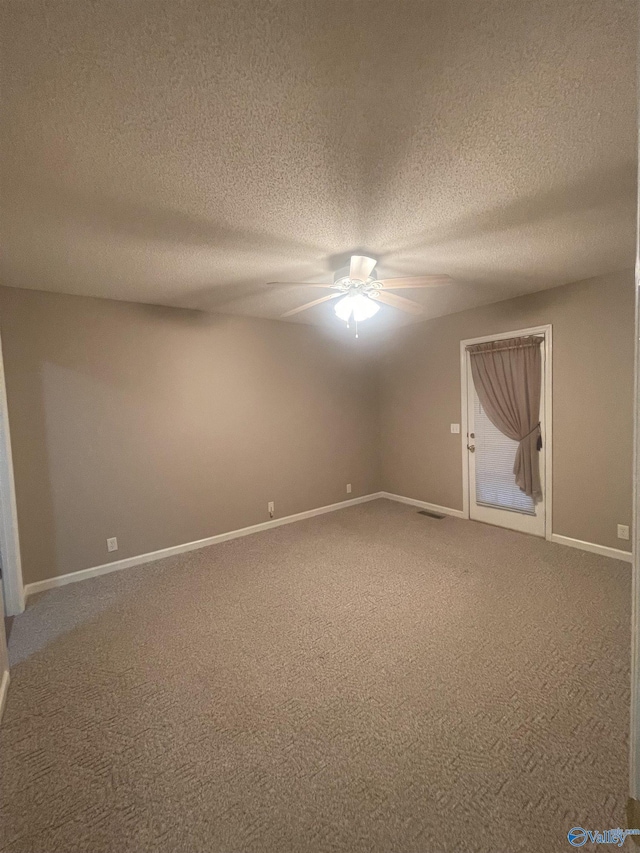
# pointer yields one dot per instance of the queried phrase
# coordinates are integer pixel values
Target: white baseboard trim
(443, 510)
(4, 689)
(603, 550)
(152, 556)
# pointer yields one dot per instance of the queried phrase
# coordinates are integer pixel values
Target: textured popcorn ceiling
(185, 153)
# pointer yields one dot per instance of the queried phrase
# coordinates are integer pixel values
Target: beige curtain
(507, 376)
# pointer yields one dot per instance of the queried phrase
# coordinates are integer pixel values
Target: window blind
(494, 457)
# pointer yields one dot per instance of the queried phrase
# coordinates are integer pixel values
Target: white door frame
(547, 331)
(634, 732)
(9, 538)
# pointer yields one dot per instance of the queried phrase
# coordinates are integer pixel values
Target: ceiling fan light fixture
(360, 290)
(357, 307)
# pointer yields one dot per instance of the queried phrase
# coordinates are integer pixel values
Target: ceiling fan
(361, 291)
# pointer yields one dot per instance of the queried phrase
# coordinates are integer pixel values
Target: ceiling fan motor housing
(342, 281)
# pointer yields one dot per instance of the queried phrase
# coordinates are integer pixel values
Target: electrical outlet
(455, 428)
(348, 488)
(112, 544)
(623, 531)
(271, 507)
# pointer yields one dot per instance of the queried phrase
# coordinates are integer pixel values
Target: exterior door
(494, 497)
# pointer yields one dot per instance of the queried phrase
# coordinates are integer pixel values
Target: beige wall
(593, 339)
(162, 426)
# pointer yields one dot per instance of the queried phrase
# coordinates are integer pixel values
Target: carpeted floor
(367, 680)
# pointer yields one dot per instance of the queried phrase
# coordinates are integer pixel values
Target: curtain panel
(507, 376)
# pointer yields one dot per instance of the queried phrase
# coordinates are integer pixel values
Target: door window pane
(494, 457)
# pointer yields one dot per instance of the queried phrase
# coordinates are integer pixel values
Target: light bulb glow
(359, 307)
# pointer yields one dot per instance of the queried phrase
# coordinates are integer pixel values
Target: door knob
(471, 448)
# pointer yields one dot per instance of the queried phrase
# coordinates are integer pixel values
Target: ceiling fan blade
(361, 267)
(296, 284)
(416, 281)
(310, 304)
(400, 302)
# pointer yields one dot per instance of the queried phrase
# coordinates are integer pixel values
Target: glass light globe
(358, 306)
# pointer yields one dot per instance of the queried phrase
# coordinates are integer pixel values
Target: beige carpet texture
(366, 680)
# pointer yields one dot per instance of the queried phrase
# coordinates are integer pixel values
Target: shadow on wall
(69, 412)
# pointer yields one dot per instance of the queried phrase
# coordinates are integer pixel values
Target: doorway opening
(11, 586)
